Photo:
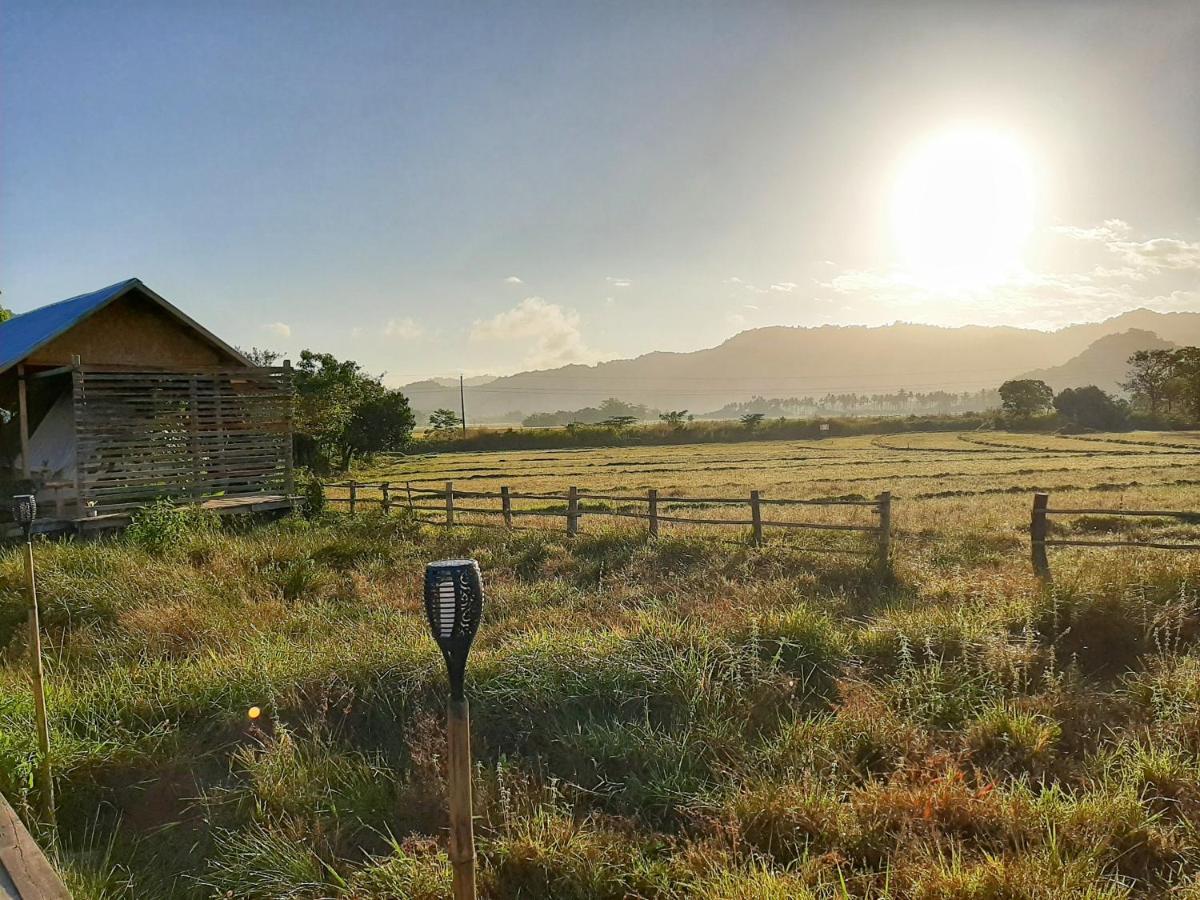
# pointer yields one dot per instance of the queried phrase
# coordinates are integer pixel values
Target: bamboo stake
(462, 835)
(506, 506)
(39, 689)
(652, 503)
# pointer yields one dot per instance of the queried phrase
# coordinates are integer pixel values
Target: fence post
(1037, 536)
(572, 510)
(506, 506)
(756, 518)
(885, 527)
(652, 503)
(386, 503)
(449, 502)
(353, 496)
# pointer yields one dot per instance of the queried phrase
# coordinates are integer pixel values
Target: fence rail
(575, 505)
(1039, 531)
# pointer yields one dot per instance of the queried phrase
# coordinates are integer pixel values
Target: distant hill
(785, 362)
(1104, 363)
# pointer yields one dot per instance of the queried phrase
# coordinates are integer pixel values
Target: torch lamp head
(454, 606)
(24, 511)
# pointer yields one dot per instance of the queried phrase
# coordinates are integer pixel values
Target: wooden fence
(572, 506)
(1039, 531)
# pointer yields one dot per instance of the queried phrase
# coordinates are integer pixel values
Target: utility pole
(462, 402)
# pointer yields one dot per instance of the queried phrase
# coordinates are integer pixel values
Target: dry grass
(660, 719)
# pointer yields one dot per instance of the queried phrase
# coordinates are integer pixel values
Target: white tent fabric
(52, 445)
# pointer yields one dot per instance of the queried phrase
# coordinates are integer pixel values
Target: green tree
(675, 418)
(1150, 374)
(1186, 378)
(381, 424)
(752, 420)
(1026, 397)
(1090, 407)
(335, 400)
(619, 422)
(444, 422)
(5, 314)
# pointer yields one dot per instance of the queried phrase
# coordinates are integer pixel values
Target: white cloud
(405, 329)
(737, 320)
(513, 279)
(552, 331)
(618, 282)
(785, 287)
(1158, 254)
(1157, 273)
(279, 329)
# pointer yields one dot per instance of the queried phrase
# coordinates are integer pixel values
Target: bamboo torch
(454, 605)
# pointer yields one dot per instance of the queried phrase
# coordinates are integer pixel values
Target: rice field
(942, 484)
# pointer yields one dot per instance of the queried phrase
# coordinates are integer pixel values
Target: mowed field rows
(945, 486)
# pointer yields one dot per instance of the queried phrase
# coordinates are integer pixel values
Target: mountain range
(782, 361)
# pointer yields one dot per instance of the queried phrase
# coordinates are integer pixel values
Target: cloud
(1158, 273)
(618, 282)
(1108, 230)
(1158, 254)
(405, 329)
(785, 287)
(552, 331)
(279, 329)
(513, 279)
(1142, 257)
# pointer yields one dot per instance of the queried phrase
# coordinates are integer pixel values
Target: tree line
(1164, 385)
(341, 411)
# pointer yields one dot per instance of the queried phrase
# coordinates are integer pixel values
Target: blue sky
(485, 187)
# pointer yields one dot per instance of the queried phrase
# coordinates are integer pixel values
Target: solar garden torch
(454, 605)
(24, 511)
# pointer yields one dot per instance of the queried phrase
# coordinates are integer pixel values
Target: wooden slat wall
(185, 435)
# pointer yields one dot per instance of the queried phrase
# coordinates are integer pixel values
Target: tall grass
(659, 719)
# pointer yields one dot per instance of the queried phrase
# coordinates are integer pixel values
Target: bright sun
(962, 210)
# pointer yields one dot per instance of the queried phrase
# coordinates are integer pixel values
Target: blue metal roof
(23, 334)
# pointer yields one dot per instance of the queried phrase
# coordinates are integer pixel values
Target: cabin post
(197, 489)
(289, 451)
(77, 396)
(23, 414)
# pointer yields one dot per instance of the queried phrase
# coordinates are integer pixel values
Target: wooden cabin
(113, 399)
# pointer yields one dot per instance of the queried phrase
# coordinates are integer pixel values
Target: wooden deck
(25, 873)
(85, 526)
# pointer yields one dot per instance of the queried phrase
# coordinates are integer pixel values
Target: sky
(435, 188)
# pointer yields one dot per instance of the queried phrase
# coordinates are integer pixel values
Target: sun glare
(962, 210)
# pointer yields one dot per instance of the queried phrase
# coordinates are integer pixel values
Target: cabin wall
(184, 435)
(131, 331)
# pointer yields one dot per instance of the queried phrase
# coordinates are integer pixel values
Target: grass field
(660, 719)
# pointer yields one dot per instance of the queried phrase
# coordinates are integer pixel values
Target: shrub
(162, 526)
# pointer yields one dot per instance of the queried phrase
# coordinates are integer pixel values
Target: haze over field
(782, 362)
(488, 189)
